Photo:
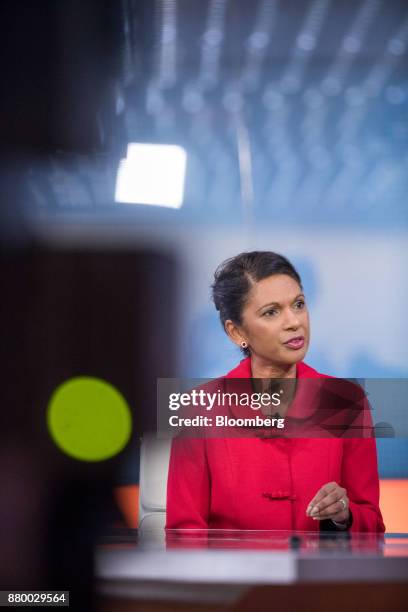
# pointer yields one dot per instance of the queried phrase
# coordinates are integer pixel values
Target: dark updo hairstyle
(235, 277)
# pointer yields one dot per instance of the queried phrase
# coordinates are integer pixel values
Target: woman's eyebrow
(277, 303)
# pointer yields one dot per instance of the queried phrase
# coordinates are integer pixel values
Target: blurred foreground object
(67, 313)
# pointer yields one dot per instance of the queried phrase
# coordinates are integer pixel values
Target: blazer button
(277, 495)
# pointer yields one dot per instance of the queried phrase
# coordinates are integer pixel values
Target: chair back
(154, 467)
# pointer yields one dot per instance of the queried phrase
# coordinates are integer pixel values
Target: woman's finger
(330, 500)
(327, 495)
(336, 509)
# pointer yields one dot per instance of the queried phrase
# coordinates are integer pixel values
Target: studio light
(152, 174)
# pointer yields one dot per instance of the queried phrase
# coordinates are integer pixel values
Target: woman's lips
(296, 343)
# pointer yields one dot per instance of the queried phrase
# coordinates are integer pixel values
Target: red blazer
(252, 483)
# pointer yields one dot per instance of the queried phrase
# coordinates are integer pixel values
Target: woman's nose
(291, 319)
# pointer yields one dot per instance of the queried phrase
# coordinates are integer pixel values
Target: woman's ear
(234, 332)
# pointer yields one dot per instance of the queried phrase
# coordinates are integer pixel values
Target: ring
(343, 503)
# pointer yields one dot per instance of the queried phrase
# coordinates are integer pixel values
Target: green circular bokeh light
(89, 419)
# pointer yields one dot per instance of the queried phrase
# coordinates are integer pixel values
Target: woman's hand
(330, 502)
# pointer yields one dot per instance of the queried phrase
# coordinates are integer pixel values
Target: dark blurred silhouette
(65, 310)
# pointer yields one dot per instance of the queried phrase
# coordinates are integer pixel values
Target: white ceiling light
(152, 174)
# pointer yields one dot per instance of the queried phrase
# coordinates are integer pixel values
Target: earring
(244, 344)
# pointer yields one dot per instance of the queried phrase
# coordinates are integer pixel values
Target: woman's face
(275, 321)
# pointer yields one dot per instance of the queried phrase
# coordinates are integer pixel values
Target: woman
(281, 483)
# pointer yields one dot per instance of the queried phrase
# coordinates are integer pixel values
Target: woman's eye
(270, 313)
(300, 304)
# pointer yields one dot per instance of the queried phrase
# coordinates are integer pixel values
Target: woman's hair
(235, 277)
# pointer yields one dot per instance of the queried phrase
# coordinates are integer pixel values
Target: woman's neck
(263, 369)
(268, 371)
